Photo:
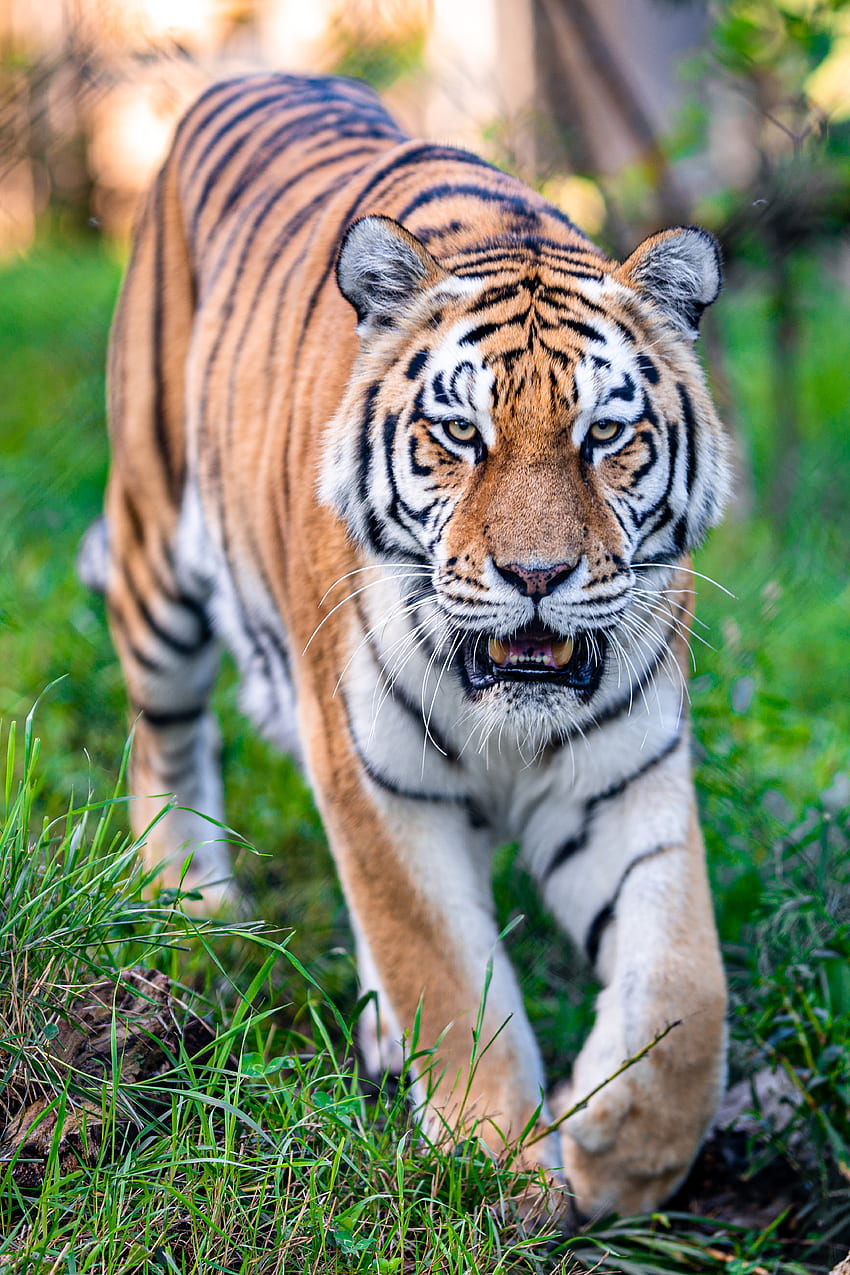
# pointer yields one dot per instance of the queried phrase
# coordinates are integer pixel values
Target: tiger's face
(537, 443)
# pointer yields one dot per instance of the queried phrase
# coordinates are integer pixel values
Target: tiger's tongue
(534, 649)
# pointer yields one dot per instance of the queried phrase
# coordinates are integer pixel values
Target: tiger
(390, 428)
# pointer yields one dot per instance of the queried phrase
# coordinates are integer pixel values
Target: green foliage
(373, 52)
(54, 313)
(818, 509)
(262, 1151)
(379, 62)
(792, 982)
(787, 38)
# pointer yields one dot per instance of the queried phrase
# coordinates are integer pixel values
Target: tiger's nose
(535, 582)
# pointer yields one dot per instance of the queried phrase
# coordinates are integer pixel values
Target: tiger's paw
(622, 1153)
(379, 1041)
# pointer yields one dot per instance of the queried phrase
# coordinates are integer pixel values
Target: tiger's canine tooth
(562, 652)
(498, 651)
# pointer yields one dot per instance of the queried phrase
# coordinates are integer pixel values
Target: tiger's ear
(680, 271)
(380, 268)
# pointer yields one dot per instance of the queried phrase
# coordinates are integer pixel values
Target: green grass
(261, 1151)
(258, 1153)
(265, 1151)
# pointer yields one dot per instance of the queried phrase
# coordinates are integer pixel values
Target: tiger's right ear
(380, 268)
(680, 271)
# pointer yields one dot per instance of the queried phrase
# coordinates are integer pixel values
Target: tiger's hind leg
(157, 602)
(169, 657)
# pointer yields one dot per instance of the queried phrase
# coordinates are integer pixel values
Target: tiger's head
(534, 430)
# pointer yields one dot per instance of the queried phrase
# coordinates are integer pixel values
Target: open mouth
(534, 654)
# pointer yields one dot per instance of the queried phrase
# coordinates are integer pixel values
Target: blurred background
(632, 115)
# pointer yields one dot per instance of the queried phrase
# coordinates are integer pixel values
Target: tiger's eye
(604, 431)
(460, 431)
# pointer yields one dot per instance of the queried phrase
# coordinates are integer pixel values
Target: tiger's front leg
(634, 895)
(416, 874)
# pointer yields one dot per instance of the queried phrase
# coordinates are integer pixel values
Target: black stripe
(416, 365)
(418, 153)
(461, 369)
(595, 929)
(497, 294)
(434, 734)
(662, 502)
(390, 785)
(497, 194)
(584, 329)
(364, 465)
(680, 535)
(265, 154)
(421, 471)
(399, 510)
(251, 108)
(438, 389)
(137, 529)
(397, 692)
(177, 644)
(220, 96)
(606, 913)
(140, 657)
(478, 334)
(623, 704)
(648, 369)
(579, 840)
(690, 437)
(161, 721)
(284, 94)
(263, 208)
(647, 437)
(626, 391)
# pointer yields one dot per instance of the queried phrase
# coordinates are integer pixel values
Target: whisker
(425, 676)
(650, 602)
(679, 567)
(405, 606)
(642, 629)
(415, 575)
(455, 646)
(671, 664)
(422, 629)
(681, 628)
(374, 566)
(634, 680)
(680, 606)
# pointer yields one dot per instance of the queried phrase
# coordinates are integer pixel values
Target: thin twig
(630, 1062)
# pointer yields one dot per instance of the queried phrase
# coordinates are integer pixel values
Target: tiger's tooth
(562, 652)
(498, 651)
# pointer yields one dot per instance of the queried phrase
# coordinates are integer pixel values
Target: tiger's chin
(532, 685)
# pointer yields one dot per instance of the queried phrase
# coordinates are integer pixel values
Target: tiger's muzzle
(534, 655)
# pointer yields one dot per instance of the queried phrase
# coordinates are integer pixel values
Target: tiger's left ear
(680, 271)
(380, 268)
